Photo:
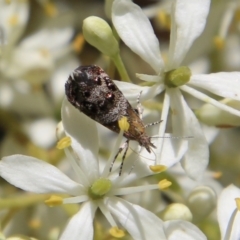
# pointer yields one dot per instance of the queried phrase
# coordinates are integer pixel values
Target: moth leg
(123, 158)
(139, 109)
(124, 146)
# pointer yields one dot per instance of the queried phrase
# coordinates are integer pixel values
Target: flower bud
(98, 33)
(176, 211)
(214, 116)
(201, 202)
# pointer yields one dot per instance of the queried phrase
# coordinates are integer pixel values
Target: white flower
(228, 212)
(188, 22)
(92, 188)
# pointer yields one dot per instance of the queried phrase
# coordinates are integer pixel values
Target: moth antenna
(152, 124)
(173, 137)
(139, 106)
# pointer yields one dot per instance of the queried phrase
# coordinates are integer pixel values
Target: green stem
(121, 68)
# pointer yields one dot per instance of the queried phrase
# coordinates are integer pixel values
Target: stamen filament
(78, 199)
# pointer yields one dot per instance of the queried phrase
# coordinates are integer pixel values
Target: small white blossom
(188, 22)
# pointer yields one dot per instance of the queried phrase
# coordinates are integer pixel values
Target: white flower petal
(139, 222)
(53, 39)
(224, 84)
(83, 132)
(179, 229)
(80, 226)
(33, 175)
(136, 31)
(173, 150)
(225, 210)
(207, 99)
(188, 22)
(186, 124)
(149, 78)
(131, 91)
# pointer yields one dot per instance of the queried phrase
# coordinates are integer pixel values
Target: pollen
(116, 232)
(54, 201)
(158, 168)
(123, 124)
(164, 184)
(64, 143)
(219, 42)
(13, 20)
(238, 203)
(78, 43)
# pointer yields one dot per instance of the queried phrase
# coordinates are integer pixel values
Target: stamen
(116, 232)
(158, 168)
(78, 43)
(54, 201)
(219, 42)
(64, 143)
(164, 184)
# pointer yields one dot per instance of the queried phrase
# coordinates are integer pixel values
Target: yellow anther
(50, 9)
(164, 19)
(54, 201)
(237, 15)
(13, 20)
(219, 42)
(238, 203)
(35, 223)
(158, 168)
(64, 143)
(123, 124)
(217, 175)
(116, 232)
(78, 43)
(164, 184)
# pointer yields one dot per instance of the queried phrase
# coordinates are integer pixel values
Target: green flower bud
(214, 116)
(177, 77)
(98, 33)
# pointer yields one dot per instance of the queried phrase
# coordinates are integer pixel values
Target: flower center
(99, 188)
(177, 77)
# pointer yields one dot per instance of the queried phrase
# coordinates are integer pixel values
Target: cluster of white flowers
(139, 204)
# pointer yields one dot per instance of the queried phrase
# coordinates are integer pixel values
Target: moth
(91, 91)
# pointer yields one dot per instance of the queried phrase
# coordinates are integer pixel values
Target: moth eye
(110, 96)
(98, 80)
(86, 94)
